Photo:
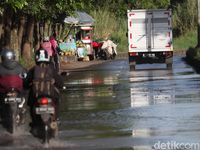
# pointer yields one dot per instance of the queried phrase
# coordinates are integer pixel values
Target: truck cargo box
(150, 37)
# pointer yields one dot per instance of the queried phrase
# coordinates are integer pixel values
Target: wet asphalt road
(109, 107)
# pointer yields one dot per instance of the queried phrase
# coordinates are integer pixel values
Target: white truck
(150, 37)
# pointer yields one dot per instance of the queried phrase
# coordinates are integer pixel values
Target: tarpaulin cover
(79, 18)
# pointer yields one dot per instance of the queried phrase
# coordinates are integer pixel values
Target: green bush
(184, 17)
(150, 4)
(189, 39)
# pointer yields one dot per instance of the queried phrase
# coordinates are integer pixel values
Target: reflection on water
(90, 91)
(146, 96)
(154, 87)
(149, 90)
(142, 132)
(95, 80)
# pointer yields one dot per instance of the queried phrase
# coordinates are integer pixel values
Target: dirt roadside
(67, 66)
(79, 65)
(83, 65)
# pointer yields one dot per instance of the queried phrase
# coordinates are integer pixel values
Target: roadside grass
(186, 41)
(107, 25)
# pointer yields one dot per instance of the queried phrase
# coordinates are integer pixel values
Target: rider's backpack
(43, 81)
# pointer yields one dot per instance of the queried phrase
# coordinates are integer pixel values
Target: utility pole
(198, 30)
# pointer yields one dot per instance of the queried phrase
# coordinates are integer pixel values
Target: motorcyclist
(42, 60)
(51, 46)
(12, 75)
(46, 44)
(56, 49)
(110, 48)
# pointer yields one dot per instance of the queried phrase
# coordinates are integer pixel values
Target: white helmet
(46, 38)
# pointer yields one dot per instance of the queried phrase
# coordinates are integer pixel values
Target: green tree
(198, 29)
(150, 4)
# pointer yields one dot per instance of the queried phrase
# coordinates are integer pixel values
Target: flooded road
(110, 107)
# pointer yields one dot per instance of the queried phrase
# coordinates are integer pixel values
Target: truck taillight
(168, 54)
(133, 54)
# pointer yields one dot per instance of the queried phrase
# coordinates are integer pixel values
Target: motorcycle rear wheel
(13, 118)
(46, 134)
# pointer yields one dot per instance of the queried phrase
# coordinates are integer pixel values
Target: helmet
(7, 55)
(46, 38)
(41, 55)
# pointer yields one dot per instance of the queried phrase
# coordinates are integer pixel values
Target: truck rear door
(137, 31)
(149, 30)
(161, 31)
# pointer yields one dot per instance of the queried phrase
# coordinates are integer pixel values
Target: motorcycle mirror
(23, 75)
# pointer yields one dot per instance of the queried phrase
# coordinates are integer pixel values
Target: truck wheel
(168, 62)
(169, 66)
(132, 66)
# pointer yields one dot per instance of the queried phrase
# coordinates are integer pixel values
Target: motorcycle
(13, 110)
(45, 113)
(110, 49)
(105, 50)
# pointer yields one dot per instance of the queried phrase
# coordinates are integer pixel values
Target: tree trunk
(60, 31)
(7, 28)
(1, 25)
(14, 37)
(14, 43)
(49, 29)
(28, 42)
(20, 32)
(1, 30)
(37, 36)
(57, 30)
(41, 30)
(30, 30)
(46, 33)
(64, 31)
(198, 30)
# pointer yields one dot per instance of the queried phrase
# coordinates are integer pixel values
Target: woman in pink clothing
(46, 44)
(55, 47)
(54, 43)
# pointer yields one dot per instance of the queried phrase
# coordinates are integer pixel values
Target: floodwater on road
(109, 107)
